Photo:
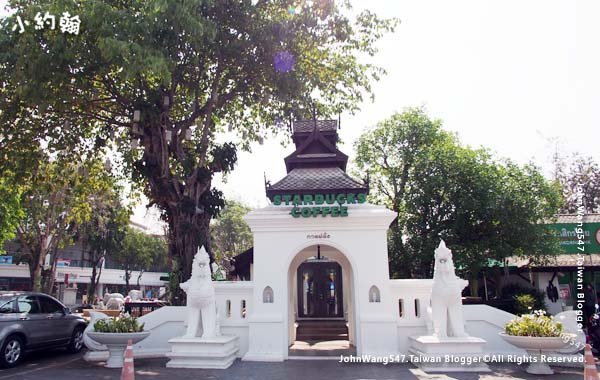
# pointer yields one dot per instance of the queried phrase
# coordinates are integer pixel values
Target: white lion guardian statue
(201, 298)
(446, 298)
(113, 301)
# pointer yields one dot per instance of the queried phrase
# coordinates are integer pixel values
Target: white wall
(171, 321)
(168, 322)
(358, 242)
(481, 321)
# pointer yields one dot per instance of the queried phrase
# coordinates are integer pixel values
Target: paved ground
(57, 365)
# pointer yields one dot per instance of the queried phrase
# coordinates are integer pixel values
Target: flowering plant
(536, 324)
(122, 324)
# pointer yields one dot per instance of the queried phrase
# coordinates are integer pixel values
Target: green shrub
(537, 324)
(524, 303)
(121, 324)
(524, 300)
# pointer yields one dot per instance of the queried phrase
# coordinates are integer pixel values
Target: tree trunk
(474, 287)
(139, 278)
(187, 209)
(127, 277)
(184, 245)
(50, 275)
(497, 276)
(91, 290)
(35, 270)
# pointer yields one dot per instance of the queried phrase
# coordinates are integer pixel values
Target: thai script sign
(569, 241)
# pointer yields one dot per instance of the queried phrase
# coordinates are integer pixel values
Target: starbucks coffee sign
(312, 205)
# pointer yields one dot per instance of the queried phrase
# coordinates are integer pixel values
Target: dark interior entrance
(320, 290)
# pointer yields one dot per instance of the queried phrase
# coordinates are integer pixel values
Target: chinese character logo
(69, 24)
(20, 24)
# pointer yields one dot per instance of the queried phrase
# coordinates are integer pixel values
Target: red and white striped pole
(589, 372)
(128, 373)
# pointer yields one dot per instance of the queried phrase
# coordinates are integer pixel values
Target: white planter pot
(116, 343)
(536, 346)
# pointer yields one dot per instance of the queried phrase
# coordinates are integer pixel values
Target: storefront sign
(569, 241)
(6, 259)
(564, 291)
(60, 263)
(308, 205)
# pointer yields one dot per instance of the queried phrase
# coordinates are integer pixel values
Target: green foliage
(121, 324)
(485, 209)
(581, 172)
(57, 199)
(230, 234)
(139, 251)
(389, 152)
(524, 303)
(208, 64)
(10, 211)
(103, 233)
(524, 299)
(536, 324)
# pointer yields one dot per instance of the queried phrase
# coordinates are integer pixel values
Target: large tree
(56, 200)
(10, 211)
(167, 75)
(484, 208)
(584, 173)
(139, 251)
(102, 235)
(230, 234)
(388, 154)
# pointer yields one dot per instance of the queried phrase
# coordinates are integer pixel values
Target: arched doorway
(320, 292)
(321, 307)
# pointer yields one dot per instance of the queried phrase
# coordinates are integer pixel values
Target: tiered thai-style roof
(317, 165)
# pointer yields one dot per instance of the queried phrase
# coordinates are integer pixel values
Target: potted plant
(115, 332)
(535, 333)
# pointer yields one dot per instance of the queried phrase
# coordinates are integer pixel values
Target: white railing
(412, 298)
(170, 321)
(234, 302)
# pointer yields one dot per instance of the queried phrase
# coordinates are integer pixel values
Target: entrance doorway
(320, 290)
(321, 314)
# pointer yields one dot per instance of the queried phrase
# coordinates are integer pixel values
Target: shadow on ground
(58, 365)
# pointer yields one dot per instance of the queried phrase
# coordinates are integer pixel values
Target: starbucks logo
(597, 235)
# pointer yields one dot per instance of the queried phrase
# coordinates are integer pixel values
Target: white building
(317, 279)
(319, 267)
(73, 269)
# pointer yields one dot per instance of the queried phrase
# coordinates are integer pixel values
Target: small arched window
(374, 295)
(268, 295)
(401, 307)
(228, 308)
(417, 308)
(243, 311)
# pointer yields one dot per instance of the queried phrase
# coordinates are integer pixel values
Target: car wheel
(12, 351)
(76, 343)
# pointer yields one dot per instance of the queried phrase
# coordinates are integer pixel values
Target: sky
(520, 78)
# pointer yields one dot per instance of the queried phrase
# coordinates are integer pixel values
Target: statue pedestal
(218, 352)
(433, 354)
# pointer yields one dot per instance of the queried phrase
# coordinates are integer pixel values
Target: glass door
(320, 290)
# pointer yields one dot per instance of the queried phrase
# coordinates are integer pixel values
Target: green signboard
(567, 234)
(312, 205)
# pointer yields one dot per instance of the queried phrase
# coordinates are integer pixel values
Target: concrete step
(322, 330)
(321, 337)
